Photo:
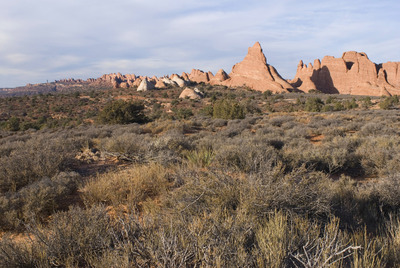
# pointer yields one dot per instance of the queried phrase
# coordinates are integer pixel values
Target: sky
(47, 40)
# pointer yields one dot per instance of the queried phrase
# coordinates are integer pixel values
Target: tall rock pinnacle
(255, 73)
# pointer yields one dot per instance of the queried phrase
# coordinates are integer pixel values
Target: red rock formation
(255, 73)
(198, 76)
(219, 77)
(185, 76)
(353, 74)
(137, 82)
(160, 84)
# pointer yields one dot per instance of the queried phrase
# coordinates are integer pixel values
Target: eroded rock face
(160, 84)
(175, 78)
(354, 73)
(199, 76)
(255, 73)
(219, 77)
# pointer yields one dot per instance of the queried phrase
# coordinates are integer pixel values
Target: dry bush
(379, 155)
(36, 201)
(40, 156)
(130, 186)
(335, 156)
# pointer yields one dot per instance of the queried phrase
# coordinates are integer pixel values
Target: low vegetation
(238, 179)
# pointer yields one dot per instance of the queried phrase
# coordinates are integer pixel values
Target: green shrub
(350, 104)
(314, 104)
(366, 102)
(228, 109)
(121, 112)
(183, 113)
(13, 124)
(389, 102)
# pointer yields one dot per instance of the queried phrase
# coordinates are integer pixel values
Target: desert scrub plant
(44, 155)
(228, 109)
(272, 239)
(130, 187)
(330, 249)
(74, 237)
(373, 251)
(389, 102)
(36, 201)
(313, 104)
(202, 157)
(121, 112)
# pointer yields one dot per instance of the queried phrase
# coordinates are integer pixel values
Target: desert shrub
(36, 201)
(183, 113)
(121, 112)
(389, 102)
(42, 156)
(335, 156)
(280, 120)
(130, 145)
(350, 104)
(13, 124)
(73, 238)
(313, 104)
(130, 186)
(228, 109)
(235, 128)
(330, 248)
(378, 155)
(201, 158)
(327, 108)
(246, 156)
(267, 94)
(338, 106)
(219, 122)
(366, 102)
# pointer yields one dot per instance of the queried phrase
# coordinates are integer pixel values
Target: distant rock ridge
(354, 73)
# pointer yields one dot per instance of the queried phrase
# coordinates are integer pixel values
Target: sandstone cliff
(354, 73)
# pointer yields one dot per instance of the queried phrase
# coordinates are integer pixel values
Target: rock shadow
(323, 81)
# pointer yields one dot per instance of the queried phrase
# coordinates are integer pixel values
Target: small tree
(121, 112)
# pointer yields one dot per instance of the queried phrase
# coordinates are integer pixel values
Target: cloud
(48, 39)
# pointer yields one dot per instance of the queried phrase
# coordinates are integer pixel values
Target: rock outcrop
(199, 76)
(354, 73)
(255, 73)
(145, 85)
(160, 84)
(193, 94)
(219, 77)
(175, 78)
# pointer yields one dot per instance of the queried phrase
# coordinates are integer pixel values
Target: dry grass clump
(130, 186)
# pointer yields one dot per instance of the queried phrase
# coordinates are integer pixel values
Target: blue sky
(54, 39)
